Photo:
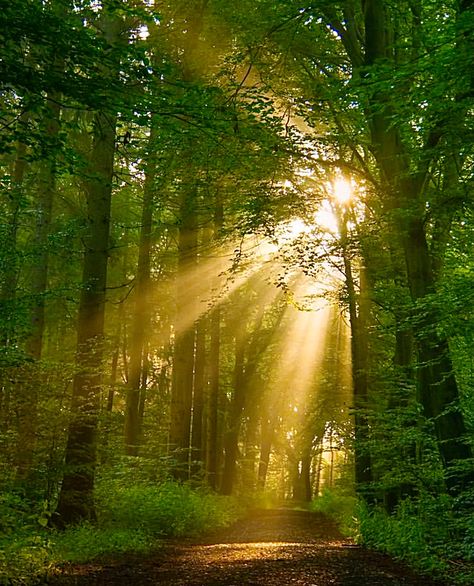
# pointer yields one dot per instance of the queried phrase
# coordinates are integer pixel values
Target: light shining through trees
(304, 392)
(342, 190)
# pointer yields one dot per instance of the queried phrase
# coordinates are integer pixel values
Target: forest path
(272, 548)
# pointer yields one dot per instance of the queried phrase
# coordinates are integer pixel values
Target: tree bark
(213, 449)
(184, 344)
(268, 433)
(358, 313)
(197, 455)
(213, 442)
(141, 319)
(231, 444)
(76, 496)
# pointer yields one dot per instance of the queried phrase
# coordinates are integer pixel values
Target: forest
(236, 269)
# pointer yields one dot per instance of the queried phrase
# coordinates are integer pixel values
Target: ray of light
(213, 280)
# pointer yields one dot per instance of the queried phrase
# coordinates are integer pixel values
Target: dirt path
(271, 548)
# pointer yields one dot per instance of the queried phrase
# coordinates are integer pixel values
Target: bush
(341, 507)
(426, 533)
(24, 547)
(24, 558)
(169, 509)
(130, 519)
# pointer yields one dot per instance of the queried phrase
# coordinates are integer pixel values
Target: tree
(76, 500)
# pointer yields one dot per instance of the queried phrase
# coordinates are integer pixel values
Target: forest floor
(272, 548)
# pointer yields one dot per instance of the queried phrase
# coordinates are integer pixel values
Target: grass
(131, 519)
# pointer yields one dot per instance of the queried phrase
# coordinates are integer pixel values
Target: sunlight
(302, 339)
(289, 231)
(326, 219)
(342, 190)
(211, 281)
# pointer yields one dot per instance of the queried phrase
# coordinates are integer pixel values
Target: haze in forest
(236, 261)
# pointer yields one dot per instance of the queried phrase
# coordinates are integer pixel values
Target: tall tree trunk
(213, 449)
(235, 417)
(358, 311)
(76, 496)
(183, 363)
(141, 319)
(213, 444)
(197, 455)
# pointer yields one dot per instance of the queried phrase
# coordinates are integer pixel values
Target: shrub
(169, 509)
(426, 533)
(24, 558)
(341, 507)
(131, 518)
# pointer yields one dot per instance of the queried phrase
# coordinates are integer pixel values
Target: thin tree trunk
(306, 477)
(235, 417)
(141, 319)
(358, 322)
(213, 449)
(213, 444)
(184, 345)
(268, 433)
(197, 456)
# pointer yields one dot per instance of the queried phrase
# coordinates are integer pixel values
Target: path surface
(271, 548)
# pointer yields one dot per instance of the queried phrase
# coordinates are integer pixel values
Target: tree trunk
(268, 433)
(306, 477)
(198, 399)
(76, 495)
(141, 318)
(235, 417)
(213, 449)
(213, 444)
(184, 350)
(359, 350)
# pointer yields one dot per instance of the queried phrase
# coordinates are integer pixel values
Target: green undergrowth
(428, 533)
(340, 506)
(131, 519)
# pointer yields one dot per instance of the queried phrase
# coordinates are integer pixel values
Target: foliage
(164, 510)
(340, 506)
(87, 542)
(25, 548)
(132, 518)
(239, 116)
(426, 533)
